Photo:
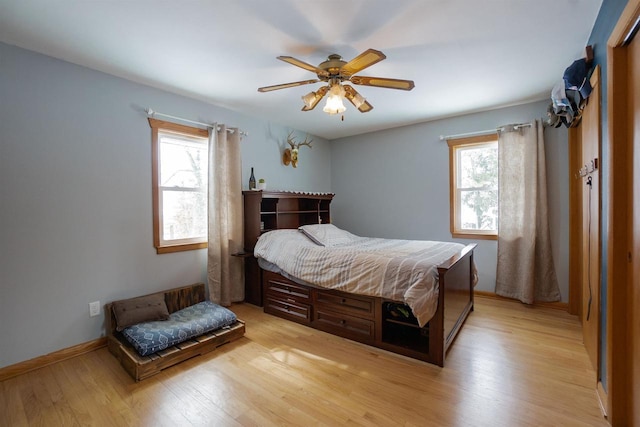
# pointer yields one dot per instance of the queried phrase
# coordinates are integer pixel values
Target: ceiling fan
(336, 72)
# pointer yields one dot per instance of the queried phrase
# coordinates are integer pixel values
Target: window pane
(479, 210)
(184, 214)
(183, 163)
(479, 167)
(474, 186)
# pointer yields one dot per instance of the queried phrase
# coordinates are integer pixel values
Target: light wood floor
(511, 366)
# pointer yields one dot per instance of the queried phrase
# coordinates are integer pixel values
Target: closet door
(591, 207)
(584, 233)
(584, 226)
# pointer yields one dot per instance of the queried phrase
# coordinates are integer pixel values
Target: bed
(410, 297)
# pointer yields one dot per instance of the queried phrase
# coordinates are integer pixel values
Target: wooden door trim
(619, 167)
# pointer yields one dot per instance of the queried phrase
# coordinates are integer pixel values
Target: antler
(305, 142)
(294, 145)
(290, 141)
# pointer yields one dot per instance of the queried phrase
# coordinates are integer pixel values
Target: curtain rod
(152, 113)
(484, 132)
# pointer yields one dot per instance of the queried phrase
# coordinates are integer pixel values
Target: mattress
(398, 270)
(150, 337)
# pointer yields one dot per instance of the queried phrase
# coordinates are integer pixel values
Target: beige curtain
(225, 273)
(525, 264)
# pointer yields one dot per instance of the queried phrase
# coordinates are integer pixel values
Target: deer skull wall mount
(290, 155)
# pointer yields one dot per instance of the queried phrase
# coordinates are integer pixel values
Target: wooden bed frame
(361, 318)
(366, 319)
(141, 367)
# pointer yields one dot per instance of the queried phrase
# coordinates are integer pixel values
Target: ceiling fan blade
(356, 99)
(293, 61)
(383, 82)
(317, 96)
(286, 85)
(362, 61)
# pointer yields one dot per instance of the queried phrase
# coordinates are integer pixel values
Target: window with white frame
(180, 169)
(474, 186)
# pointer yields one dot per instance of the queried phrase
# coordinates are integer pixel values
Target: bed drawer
(288, 309)
(287, 291)
(344, 325)
(346, 303)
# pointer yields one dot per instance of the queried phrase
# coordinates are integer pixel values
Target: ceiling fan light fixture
(334, 100)
(338, 74)
(310, 99)
(358, 100)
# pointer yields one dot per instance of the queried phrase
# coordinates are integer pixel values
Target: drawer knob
(343, 301)
(343, 322)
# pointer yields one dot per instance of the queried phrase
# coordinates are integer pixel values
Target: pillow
(141, 309)
(327, 234)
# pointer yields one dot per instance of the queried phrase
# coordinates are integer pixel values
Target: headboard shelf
(273, 210)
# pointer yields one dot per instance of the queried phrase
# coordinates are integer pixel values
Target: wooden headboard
(273, 210)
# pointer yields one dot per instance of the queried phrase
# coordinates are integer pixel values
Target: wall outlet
(94, 308)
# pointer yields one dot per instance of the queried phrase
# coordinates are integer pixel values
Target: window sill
(475, 236)
(181, 247)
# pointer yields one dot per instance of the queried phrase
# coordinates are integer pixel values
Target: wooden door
(575, 222)
(623, 254)
(633, 78)
(590, 215)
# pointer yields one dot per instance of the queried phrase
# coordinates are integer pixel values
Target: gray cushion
(198, 319)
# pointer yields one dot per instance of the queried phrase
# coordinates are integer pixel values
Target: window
(179, 167)
(473, 165)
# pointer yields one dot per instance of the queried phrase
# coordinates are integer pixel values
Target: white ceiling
(464, 55)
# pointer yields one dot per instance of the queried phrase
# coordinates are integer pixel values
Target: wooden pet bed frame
(366, 319)
(141, 367)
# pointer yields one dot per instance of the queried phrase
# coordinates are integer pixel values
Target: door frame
(619, 363)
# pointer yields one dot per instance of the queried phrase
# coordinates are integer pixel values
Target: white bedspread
(399, 270)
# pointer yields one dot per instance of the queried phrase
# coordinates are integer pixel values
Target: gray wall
(75, 210)
(395, 184)
(75, 196)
